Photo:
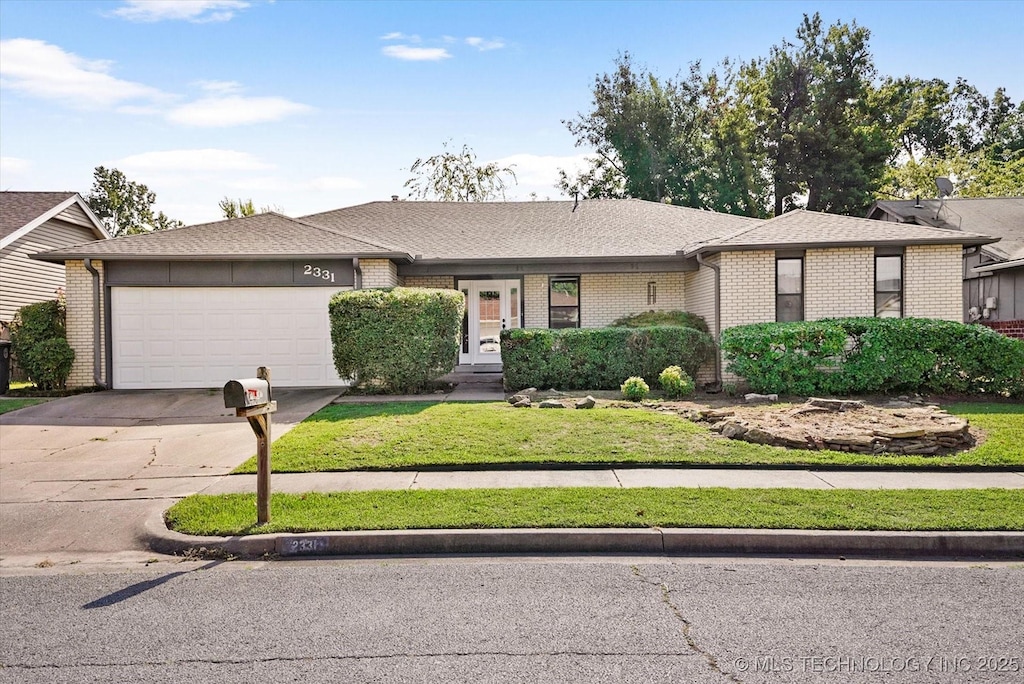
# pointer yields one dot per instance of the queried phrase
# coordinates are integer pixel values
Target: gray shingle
(18, 209)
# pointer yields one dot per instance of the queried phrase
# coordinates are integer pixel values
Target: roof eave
(61, 258)
(966, 242)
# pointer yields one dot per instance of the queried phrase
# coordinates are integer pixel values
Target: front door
(491, 306)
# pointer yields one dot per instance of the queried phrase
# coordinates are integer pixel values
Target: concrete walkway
(620, 478)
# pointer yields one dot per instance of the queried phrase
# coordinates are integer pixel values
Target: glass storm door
(491, 306)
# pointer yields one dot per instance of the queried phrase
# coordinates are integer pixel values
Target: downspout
(718, 316)
(96, 339)
(358, 280)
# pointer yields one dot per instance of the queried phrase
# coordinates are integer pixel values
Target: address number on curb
(304, 546)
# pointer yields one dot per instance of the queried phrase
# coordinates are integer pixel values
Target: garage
(182, 337)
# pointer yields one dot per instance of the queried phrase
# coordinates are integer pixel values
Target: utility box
(247, 393)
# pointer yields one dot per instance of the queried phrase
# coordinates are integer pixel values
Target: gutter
(358, 271)
(96, 339)
(718, 315)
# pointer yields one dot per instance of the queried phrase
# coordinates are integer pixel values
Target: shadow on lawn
(338, 412)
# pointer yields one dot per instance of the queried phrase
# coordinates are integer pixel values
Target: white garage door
(177, 337)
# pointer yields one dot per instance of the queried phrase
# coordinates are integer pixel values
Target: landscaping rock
(528, 390)
(733, 430)
(836, 404)
(754, 398)
(587, 402)
(551, 403)
(524, 402)
(516, 398)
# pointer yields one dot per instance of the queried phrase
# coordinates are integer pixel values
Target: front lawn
(415, 435)
(8, 405)
(816, 509)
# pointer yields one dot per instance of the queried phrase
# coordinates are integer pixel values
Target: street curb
(640, 541)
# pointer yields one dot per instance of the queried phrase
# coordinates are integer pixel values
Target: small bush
(648, 319)
(675, 383)
(598, 358)
(634, 389)
(396, 339)
(39, 345)
(868, 355)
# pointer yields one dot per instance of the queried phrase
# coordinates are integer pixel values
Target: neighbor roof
(264, 236)
(1001, 217)
(530, 230)
(804, 229)
(22, 212)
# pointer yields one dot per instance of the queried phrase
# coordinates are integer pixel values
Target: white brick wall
(535, 301)
(605, 297)
(932, 285)
(699, 287)
(838, 282)
(440, 281)
(80, 324)
(379, 273)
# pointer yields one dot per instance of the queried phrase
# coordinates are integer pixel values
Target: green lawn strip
(423, 434)
(8, 405)
(581, 507)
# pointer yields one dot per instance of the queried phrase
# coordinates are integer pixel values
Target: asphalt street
(519, 620)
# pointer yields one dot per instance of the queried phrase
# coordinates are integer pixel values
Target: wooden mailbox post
(252, 399)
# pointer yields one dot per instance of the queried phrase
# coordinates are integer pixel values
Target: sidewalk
(296, 483)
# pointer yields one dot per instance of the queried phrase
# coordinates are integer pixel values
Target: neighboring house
(993, 274)
(31, 222)
(196, 306)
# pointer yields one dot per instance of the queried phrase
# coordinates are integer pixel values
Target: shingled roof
(1001, 217)
(18, 209)
(530, 230)
(804, 229)
(263, 236)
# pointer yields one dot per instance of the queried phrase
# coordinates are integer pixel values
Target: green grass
(424, 434)
(838, 509)
(8, 405)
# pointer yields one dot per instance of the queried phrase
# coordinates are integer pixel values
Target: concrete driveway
(80, 475)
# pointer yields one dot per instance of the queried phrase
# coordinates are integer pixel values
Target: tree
(124, 206)
(238, 208)
(456, 177)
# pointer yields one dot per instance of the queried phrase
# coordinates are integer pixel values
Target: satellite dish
(945, 186)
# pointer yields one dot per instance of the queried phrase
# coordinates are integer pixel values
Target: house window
(564, 302)
(888, 286)
(789, 289)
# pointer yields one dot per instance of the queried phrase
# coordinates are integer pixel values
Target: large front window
(889, 286)
(564, 302)
(789, 290)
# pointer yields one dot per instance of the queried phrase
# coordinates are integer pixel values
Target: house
(993, 274)
(31, 222)
(196, 306)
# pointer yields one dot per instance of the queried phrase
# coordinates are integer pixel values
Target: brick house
(31, 222)
(195, 306)
(993, 274)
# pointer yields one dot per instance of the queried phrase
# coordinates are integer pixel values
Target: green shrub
(647, 319)
(598, 358)
(39, 345)
(868, 355)
(675, 382)
(634, 389)
(396, 339)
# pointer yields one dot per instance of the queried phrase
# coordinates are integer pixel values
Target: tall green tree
(124, 206)
(457, 177)
(238, 208)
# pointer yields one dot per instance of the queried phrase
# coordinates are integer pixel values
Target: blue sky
(309, 106)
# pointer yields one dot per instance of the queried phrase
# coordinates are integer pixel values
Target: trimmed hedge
(646, 319)
(598, 358)
(869, 355)
(396, 339)
(39, 344)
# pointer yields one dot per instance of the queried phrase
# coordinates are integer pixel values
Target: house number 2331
(317, 272)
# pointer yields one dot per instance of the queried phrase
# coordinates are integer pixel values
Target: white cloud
(534, 171)
(483, 45)
(220, 87)
(195, 11)
(398, 35)
(415, 54)
(40, 69)
(335, 183)
(234, 110)
(193, 161)
(14, 165)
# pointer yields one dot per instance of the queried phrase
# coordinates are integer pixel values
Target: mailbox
(248, 393)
